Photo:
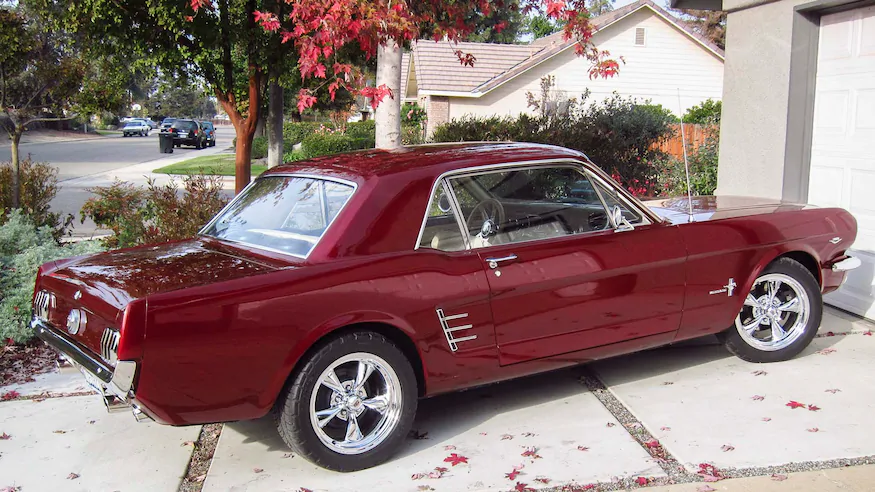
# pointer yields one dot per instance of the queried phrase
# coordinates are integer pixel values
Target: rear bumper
(114, 384)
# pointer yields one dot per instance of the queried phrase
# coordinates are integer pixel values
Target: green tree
(707, 112)
(711, 24)
(599, 7)
(48, 75)
(539, 25)
(498, 26)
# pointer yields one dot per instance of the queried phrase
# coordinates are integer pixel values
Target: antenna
(686, 161)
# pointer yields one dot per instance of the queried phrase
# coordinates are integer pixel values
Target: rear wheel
(351, 404)
(780, 315)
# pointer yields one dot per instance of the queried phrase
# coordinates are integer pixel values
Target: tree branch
(36, 95)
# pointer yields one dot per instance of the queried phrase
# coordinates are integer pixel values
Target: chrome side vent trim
(452, 340)
(109, 345)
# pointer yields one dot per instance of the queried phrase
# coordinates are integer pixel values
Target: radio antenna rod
(686, 161)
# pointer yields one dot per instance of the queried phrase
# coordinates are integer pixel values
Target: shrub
(362, 129)
(412, 112)
(39, 185)
(138, 215)
(703, 169)
(23, 248)
(294, 133)
(412, 134)
(706, 113)
(259, 147)
(293, 156)
(317, 144)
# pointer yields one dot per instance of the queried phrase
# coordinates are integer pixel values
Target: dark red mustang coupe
(338, 291)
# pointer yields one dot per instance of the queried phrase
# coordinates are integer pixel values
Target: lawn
(218, 165)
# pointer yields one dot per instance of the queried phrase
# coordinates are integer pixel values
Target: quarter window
(613, 199)
(518, 205)
(441, 230)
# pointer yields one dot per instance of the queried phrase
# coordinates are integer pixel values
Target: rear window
(184, 125)
(287, 214)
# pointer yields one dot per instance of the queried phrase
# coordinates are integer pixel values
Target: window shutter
(639, 36)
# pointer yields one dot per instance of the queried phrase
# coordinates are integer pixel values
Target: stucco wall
(755, 99)
(669, 60)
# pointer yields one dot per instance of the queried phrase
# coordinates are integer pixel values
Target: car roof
(434, 159)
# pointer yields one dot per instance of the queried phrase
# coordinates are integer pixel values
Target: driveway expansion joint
(201, 458)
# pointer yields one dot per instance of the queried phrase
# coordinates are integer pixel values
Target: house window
(640, 36)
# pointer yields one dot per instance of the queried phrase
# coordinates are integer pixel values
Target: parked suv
(188, 132)
(210, 131)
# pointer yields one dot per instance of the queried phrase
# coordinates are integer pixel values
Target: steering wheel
(488, 209)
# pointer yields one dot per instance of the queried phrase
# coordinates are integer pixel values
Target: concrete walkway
(656, 419)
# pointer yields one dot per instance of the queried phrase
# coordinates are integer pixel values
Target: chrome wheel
(356, 403)
(775, 312)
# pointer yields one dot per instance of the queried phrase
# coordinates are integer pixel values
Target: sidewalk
(853, 478)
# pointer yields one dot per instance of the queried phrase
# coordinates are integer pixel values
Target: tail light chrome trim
(109, 345)
(43, 303)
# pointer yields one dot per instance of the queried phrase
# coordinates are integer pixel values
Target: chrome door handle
(493, 262)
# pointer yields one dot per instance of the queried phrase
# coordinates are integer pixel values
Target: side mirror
(620, 222)
(444, 203)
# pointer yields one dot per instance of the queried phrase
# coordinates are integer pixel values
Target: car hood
(677, 210)
(119, 277)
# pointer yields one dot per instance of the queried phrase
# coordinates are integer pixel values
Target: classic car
(337, 291)
(136, 127)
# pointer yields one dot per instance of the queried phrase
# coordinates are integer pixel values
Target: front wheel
(780, 315)
(351, 404)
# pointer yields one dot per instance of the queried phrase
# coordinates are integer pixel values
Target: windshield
(282, 213)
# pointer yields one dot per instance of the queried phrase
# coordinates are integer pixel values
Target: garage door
(843, 143)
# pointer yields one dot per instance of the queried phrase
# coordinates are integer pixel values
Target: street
(98, 161)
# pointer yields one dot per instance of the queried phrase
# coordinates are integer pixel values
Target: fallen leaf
(187, 443)
(795, 404)
(531, 452)
(424, 487)
(825, 351)
(483, 433)
(506, 437)
(757, 398)
(543, 480)
(455, 459)
(415, 434)
(521, 487)
(667, 383)
(759, 373)
(92, 421)
(709, 473)
(449, 447)
(641, 481)
(727, 447)
(304, 489)
(512, 475)
(72, 476)
(200, 478)
(437, 473)
(5, 437)
(813, 429)
(258, 470)
(829, 334)
(582, 448)
(833, 391)
(10, 489)
(9, 395)
(59, 432)
(441, 469)
(610, 424)
(813, 408)
(529, 434)
(705, 488)
(665, 428)
(289, 455)
(766, 419)
(868, 333)
(653, 443)
(779, 478)
(417, 476)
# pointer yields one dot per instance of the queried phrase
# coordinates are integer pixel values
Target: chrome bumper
(115, 385)
(847, 264)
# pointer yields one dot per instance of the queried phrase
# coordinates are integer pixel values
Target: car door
(562, 276)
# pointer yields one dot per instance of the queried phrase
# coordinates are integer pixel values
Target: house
(799, 114)
(662, 57)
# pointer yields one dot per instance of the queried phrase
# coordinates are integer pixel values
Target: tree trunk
(16, 169)
(388, 116)
(262, 123)
(275, 125)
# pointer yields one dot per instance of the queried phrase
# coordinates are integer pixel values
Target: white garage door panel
(843, 143)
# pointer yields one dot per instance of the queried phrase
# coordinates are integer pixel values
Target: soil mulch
(20, 363)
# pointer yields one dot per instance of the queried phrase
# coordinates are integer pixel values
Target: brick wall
(438, 112)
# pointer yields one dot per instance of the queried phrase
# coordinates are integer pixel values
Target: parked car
(136, 127)
(154, 125)
(188, 132)
(210, 132)
(166, 123)
(337, 291)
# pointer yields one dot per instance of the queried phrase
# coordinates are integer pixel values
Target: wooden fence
(695, 136)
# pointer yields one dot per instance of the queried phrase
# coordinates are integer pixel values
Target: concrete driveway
(679, 414)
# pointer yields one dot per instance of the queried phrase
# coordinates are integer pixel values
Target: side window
(613, 199)
(519, 205)
(441, 230)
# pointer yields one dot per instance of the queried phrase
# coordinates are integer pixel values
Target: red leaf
(665, 428)
(653, 443)
(766, 419)
(757, 398)
(641, 481)
(543, 480)
(779, 478)
(582, 448)
(258, 470)
(304, 489)
(727, 447)
(868, 333)
(813, 429)
(813, 408)
(449, 447)
(72, 476)
(521, 487)
(610, 424)
(795, 404)
(512, 475)
(9, 395)
(531, 452)
(455, 459)
(825, 351)
(5, 437)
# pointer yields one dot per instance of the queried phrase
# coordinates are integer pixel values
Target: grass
(109, 132)
(217, 165)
